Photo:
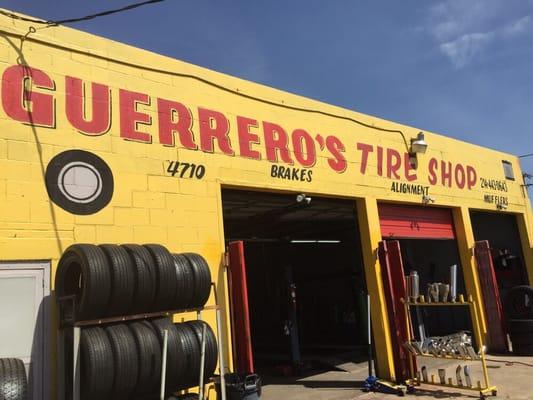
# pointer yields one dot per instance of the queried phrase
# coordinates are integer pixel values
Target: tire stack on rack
(519, 311)
(13, 381)
(123, 360)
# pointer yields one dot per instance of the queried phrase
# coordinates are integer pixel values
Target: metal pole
(202, 364)
(164, 365)
(369, 325)
(76, 364)
(220, 345)
(61, 373)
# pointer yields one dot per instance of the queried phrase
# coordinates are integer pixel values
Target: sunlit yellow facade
(142, 113)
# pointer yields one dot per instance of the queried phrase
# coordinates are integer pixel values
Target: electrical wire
(508, 362)
(85, 18)
(526, 155)
(184, 75)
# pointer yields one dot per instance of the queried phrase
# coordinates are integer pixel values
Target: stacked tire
(123, 361)
(13, 381)
(111, 280)
(519, 311)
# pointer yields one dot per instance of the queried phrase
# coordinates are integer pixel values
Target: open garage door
(413, 222)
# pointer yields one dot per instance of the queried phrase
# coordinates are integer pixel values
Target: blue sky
(463, 68)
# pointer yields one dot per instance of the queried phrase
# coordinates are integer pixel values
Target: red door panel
(497, 335)
(394, 284)
(240, 315)
(413, 222)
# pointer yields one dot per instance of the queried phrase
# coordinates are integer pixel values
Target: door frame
(46, 267)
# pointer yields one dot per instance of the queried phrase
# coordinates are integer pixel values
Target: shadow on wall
(22, 61)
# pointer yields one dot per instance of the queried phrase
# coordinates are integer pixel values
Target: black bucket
(240, 386)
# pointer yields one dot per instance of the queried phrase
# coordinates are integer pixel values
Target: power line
(190, 76)
(85, 18)
(526, 155)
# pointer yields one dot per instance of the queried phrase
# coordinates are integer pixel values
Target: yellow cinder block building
(309, 195)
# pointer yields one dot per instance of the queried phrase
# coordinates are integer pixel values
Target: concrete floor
(512, 375)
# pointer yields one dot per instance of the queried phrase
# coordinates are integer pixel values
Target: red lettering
(246, 138)
(446, 173)
(174, 118)
(276, 141)
(76, 107)
(471, 175)
(336, 148)
(214, 125)
(21, 103)
(433, 167)
(394, 162)
(380, 160)
(460, 176)
(408, 168)
(130, 117)
(306, 158)
(365, 150)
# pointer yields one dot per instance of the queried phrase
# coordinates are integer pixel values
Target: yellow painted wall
(148, 205)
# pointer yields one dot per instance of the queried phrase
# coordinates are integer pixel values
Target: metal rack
(486, 388)
(69, 327)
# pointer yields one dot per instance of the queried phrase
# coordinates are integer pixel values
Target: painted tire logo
(79, 182)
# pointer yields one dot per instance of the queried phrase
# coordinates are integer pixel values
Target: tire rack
(484, 390)
(69, 323)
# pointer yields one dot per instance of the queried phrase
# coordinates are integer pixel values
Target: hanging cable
(195, 77)
(526, 155)
(85, 18)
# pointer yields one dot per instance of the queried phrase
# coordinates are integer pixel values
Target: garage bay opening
(298, 285)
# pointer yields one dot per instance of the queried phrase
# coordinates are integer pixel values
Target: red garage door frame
(415, 222)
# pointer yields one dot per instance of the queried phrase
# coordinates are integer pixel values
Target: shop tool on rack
(456, 346)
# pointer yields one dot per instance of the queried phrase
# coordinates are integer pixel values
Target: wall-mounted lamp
(418, 145)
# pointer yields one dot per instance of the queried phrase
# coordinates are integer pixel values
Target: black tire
(13, 380)
(149, 351)
(523, 350)
(520, 326)
(202, 278)
(97, 365)
(165, 277)
(192, 375)
(122, 279)
(83, 271)
(145, 277)
(125, 359)
(519, 303)
(176, 352)
(185, 282)
(211, 348)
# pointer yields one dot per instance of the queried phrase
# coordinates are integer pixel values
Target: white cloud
(465, 30)
(518, 27)
(463, 49)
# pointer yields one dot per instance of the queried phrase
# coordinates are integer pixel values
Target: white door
(23, 317)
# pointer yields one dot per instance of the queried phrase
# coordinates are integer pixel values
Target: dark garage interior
(306, 285)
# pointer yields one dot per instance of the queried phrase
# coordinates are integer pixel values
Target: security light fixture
(426, 199)
(419, 145)
(303, 198)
